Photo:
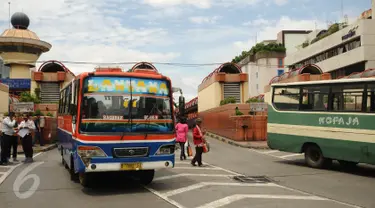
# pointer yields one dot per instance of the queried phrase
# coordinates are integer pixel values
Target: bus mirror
(181, 105)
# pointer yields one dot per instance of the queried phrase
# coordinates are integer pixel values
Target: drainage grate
(253, 179)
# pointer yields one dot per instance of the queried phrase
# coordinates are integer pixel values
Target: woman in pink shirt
(181, 136)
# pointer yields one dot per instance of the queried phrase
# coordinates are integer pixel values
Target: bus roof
(320, 82)
(126, 74)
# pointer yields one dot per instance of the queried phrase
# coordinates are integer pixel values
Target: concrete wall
(19, 72)
(210, 97)
(292, 41)
(4, 97)
(16, 57)
(366, 30)
(220, 121)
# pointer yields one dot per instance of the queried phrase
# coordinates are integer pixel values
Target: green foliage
(38, 112)
(129, 70)
(305, 44)
(238, 112)
(332, 29)
(260, 47)
(228, 100)
(253, 100)
(49, 114)
(27, 97)
(37, 92)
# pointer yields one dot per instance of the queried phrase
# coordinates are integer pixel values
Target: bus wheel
(314, 157)
(85, 179)
(348, 165)
(73, 175)
(146, 176)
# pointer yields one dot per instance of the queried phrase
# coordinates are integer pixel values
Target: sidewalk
(38, 148)
(244, 144)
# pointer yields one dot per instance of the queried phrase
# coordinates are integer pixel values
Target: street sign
(15, 84)
(25, 107)
(258, 107)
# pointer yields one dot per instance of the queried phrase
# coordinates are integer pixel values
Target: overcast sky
(178, 31)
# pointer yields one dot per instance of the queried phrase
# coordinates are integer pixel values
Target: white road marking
(197, 168)
(13, 167)
(230, 199)
(203, 184)
(190, 174)
(269, 152)
(291, 155)
(165, 198)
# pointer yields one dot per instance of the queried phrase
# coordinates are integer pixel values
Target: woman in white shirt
(25, 129)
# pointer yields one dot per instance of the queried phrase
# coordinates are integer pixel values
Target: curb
(42, 150)
(228, 141)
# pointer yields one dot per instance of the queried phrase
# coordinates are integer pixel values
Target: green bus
(326, 120)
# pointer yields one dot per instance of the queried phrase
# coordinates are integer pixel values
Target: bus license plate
(131, 166)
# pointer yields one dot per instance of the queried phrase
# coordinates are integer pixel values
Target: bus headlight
(87, 152)
(166, 150)
(91, 151)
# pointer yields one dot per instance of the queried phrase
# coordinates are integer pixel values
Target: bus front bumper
(130, 166)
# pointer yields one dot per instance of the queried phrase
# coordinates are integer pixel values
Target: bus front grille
(130, 152)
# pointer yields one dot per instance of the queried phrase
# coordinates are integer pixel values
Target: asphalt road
(288, 183)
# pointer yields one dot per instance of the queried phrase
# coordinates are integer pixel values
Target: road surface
(287, 183)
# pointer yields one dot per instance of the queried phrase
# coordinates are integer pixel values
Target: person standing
(198, 142)
(13, 145)
(8, 132)
(181, 136)
(27, 142)
(38, 130)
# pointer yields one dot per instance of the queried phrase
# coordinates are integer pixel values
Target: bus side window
(370, 105)
(315, 98)
(347, 97)
(286, 98)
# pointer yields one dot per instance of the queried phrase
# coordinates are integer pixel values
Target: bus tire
(85, 179)
(146, 176)
(314, 157)
(73, 176)
(347, 165)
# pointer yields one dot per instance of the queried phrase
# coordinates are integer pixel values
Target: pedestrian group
(201, 145)
(12, 132)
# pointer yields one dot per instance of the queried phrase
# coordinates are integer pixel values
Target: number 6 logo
(23, 177)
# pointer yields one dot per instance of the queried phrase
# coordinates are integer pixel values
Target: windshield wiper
(129, 113)
(155, 106)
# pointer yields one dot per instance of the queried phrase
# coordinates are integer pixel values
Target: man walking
(28, 126)
(8, 131)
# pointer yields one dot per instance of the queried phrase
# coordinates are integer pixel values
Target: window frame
(365, 95)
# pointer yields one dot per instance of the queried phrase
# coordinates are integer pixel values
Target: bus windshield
(124, 104)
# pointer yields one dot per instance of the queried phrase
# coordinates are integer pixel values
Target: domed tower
(20, 48)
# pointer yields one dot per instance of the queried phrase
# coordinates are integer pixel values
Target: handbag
(206, 147)
(189, 150)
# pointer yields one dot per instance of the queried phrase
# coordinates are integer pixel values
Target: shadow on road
(360, 170)
(113, 184)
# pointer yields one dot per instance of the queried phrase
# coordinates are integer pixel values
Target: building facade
(224, 82)
(349, 50)
(262, 69)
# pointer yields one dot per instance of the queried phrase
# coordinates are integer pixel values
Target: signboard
(127, 85)
(258, 107)
(26, 107)
(15, 84)
(350, 33)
